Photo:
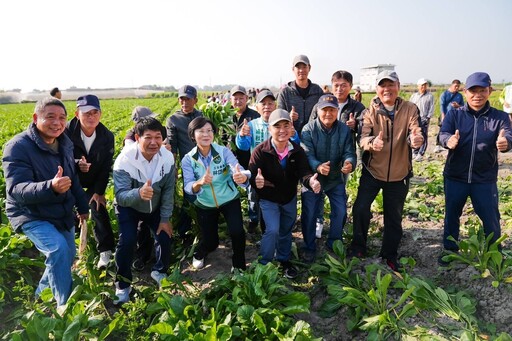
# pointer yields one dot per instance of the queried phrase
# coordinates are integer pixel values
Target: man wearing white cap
(424, 100)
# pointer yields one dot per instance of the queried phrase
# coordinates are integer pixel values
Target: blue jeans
(128, 221)
(208, 220)
(277, 239)
(338, 215)
(59, 249)
(484, 198)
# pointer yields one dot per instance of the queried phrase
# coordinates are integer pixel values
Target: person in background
(329, 147)
(144, 179)
(211, 173)
(181, 144)
(424, 100)
(450, 99)
(137, 113)
(506, 99)
(277, 165)
(326, 89)
(350, 112)
(358, 96)
(94, 153)
(390, 131)
(244, 115)
(42, 190)
(55, 92)
(473, 134)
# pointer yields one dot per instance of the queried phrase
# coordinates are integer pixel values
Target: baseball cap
(478, 79)
(87, 103)
(387, 74)
(327, 101)
(300, 59)
(238, 88)
(279, 115)
(187, 91)
(422, 81)
(140, 112)
(264, 93)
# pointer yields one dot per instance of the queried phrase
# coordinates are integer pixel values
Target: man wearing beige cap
(424, 100)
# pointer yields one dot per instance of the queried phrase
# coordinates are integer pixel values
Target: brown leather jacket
(394, 161)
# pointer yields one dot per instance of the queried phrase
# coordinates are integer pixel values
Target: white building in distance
(369, 75)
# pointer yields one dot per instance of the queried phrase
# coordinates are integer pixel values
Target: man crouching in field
(473, 134)
(42, 189)
(144, 178)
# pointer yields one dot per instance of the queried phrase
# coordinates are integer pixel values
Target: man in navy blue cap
(93, 152)
(473, 134)
(328, 144)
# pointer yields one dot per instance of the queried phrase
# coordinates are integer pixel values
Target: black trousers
(394, 194)
(102, 227)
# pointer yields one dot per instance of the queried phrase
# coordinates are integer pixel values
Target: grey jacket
(177, 131)
(289, 96)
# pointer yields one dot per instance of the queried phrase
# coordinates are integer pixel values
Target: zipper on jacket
(473, 142)
(391, 146)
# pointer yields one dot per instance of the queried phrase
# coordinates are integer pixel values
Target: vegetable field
(336, 298)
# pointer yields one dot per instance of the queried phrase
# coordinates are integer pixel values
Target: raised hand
(453, 141)
(501, 142)
(245, 130)
(294, 115)
(378, 143)
(351, 122)
(238, 177)
(315, 184)
(324, 168)
(259, 179)
(207, 177)
(347, 167)
(83, 165)
(146, 191)
(416, 138)
(61, 184)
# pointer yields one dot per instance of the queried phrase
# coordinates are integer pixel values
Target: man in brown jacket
(390, 131)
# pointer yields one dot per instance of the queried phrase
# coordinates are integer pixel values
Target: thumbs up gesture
(259, 179)
(416, 138)
(207, 177)
(146, 191)
(61, 184)
(501, 142)
(238, 177)
(245, 130)
(315, 184)
(378, 143)
(351, 122)
(347, 167)
(453, 141)
(83, 165)
(294, 115)
(324, 168)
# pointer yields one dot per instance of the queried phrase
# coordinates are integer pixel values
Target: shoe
(319, 229)
(438, 149)
(289, 270)
(356, 254)
(105, 257)
(123, 295)
(252, 226)
(138, 264)
(393, 264)
(158, 277)
(308, 257)
(197, 263)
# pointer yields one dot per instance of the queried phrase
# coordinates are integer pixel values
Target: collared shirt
(424, 102)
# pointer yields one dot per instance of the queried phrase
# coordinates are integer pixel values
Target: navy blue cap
(478, 79)
(187, 91)
(87, 103)
(327, 101)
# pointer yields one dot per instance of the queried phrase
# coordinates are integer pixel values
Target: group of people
(57, 172)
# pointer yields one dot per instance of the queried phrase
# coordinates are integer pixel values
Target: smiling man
(390, 131)
(473, 134)
(144, 178)
(94, 152)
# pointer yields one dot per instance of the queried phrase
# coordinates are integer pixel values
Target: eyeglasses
(205, 132)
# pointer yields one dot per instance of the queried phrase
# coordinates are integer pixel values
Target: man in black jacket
(93, 153)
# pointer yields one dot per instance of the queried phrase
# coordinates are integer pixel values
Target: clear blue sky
(112, 43)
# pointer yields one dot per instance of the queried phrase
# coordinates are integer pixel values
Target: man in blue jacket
(42, 190)
(474, 134)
